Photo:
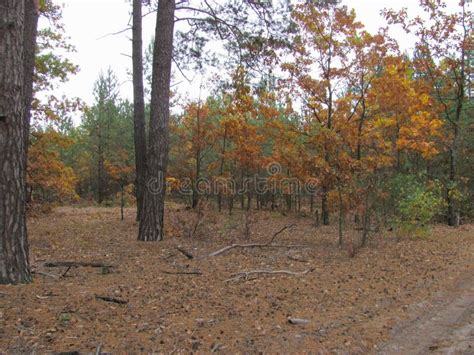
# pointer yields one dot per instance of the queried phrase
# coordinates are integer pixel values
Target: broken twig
(67, 270)
(182, 272)
(297, 259)
(42, 297)
(185, 252)
(297, 321)
(111, 299)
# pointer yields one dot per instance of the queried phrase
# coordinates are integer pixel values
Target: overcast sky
(87, 23)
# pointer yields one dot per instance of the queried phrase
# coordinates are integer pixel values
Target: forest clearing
(176, 304)
(237, 176)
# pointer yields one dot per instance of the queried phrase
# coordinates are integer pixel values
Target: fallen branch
(45, 274)
(246, 274)
(185, 252)
(279, 232)
(111, 299)
(254, 245)
(297, 259)
(76, 264)
(182, 272)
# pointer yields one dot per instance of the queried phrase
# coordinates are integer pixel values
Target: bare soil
(444, 325)
(176, 304)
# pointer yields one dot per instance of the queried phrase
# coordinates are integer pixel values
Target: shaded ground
(352, 304)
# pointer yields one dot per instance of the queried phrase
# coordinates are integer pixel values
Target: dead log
(246, 274)
(111, 299)
(254, 245)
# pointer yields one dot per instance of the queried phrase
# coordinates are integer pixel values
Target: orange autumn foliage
(46, 171)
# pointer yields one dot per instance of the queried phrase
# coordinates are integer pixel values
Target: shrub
(417, 202)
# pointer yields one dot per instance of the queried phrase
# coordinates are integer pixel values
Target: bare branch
(254, 245)
(246, 274)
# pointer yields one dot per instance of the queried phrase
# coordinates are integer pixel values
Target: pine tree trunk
(14, 264)
(29, 47)
(138, 104)
(152, 219)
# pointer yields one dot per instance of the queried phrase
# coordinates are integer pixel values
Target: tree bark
(14, 263)
(29, 47)
(138, 105)
(151, 222)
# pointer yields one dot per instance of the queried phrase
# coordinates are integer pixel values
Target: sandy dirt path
(446, 326)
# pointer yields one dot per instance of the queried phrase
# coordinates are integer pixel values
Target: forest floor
(371, 303)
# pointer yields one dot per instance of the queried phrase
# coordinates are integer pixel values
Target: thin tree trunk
(324, 207)
(453, 214)
(14, 263)
(365, 227)
(138, 105)
(316, 219)
(221, 168)
(195, 200)
(122, 202)
(341, 216)
(152, 219)
(100, 169)
(231, 203)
